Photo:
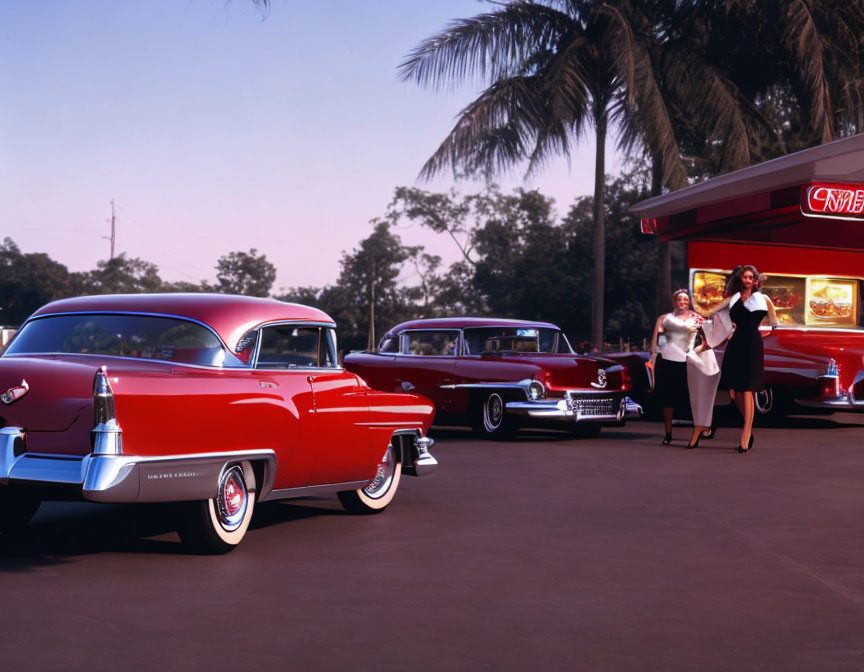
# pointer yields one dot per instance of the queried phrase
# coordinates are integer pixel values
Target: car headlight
(536, 390)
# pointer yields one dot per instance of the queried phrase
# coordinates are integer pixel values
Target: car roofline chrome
(140, 314)
(166, 362)
(253, 361)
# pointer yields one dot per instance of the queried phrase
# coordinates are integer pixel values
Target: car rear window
(515, 339)
(137, 336)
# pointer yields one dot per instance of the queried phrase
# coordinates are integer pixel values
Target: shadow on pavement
(64, 530)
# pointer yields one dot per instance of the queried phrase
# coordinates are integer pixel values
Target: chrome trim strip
(480, 386)
(848, 404)
(166, 362)
(141, 314)
(312, 490)
(126, 478)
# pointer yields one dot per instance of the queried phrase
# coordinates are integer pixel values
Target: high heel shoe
(709, 433)
(742, 449)
(695, 445)
(667, 439)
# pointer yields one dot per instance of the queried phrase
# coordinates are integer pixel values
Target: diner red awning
(812, 198)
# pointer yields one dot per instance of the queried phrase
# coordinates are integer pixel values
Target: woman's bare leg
(697, 432)
(667, 419)
(748, 411)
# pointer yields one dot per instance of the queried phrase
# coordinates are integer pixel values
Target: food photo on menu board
(831, 302)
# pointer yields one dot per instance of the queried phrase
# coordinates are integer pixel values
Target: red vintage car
(211, 400)
(498, 375)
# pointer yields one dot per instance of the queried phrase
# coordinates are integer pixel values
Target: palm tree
(552, 70)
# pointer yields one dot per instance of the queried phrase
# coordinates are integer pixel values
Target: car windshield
(515, 339)
(138, 336)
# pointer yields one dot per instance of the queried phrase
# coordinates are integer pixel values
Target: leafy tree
(187, 287)
(245, 273)
(122, 275)
(367, 297)
(28, 281)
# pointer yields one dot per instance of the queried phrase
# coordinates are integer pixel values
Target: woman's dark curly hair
(735, 284)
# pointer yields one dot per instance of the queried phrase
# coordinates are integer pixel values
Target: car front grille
(591, 405)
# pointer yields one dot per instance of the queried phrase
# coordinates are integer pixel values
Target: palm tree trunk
(599, 246)
(664, 252)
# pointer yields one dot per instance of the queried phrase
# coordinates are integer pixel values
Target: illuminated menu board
(831, 302)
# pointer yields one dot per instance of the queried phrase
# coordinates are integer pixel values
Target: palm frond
(494, 131)
(803, 36)
(713, 104)
(619, 41)
(486, 47)
(650, 121)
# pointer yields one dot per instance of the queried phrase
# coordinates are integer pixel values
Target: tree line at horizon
(518, 259)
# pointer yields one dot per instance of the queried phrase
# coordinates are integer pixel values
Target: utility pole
(370, 343)
(113, 236)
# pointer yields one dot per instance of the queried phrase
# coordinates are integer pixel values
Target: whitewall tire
(380, 491)
(217, 525)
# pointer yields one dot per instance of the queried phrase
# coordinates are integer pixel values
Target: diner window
(289, 347)
(812, 301)
(430, 343)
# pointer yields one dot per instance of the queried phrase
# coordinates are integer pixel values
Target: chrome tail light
(829, 384)
(106, 437)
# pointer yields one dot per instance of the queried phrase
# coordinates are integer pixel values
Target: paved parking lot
(614, 553)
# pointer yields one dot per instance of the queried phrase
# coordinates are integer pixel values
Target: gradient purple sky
(215, 130)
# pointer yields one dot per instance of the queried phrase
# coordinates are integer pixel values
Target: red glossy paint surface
(325, 426)
(230, 316)
(443, 379)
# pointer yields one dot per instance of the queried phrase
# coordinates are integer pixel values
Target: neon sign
(837, 200)
(648, 226)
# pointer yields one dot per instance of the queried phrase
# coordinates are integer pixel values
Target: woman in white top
(693, 373)
(743, 361)
(669, 367)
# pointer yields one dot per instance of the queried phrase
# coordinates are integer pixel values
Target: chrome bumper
(425, 464)
(125, 478)
(847, 404)
(578, 408)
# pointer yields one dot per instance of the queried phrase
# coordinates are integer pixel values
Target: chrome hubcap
(379, 485)
(764, 400)
(233, 498)
(493, 412)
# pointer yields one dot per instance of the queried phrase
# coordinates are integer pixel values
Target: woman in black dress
(743, 370)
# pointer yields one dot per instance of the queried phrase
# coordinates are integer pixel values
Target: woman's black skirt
(670, 385)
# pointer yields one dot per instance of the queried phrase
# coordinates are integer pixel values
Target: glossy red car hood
(563, 371)
(846, 348)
